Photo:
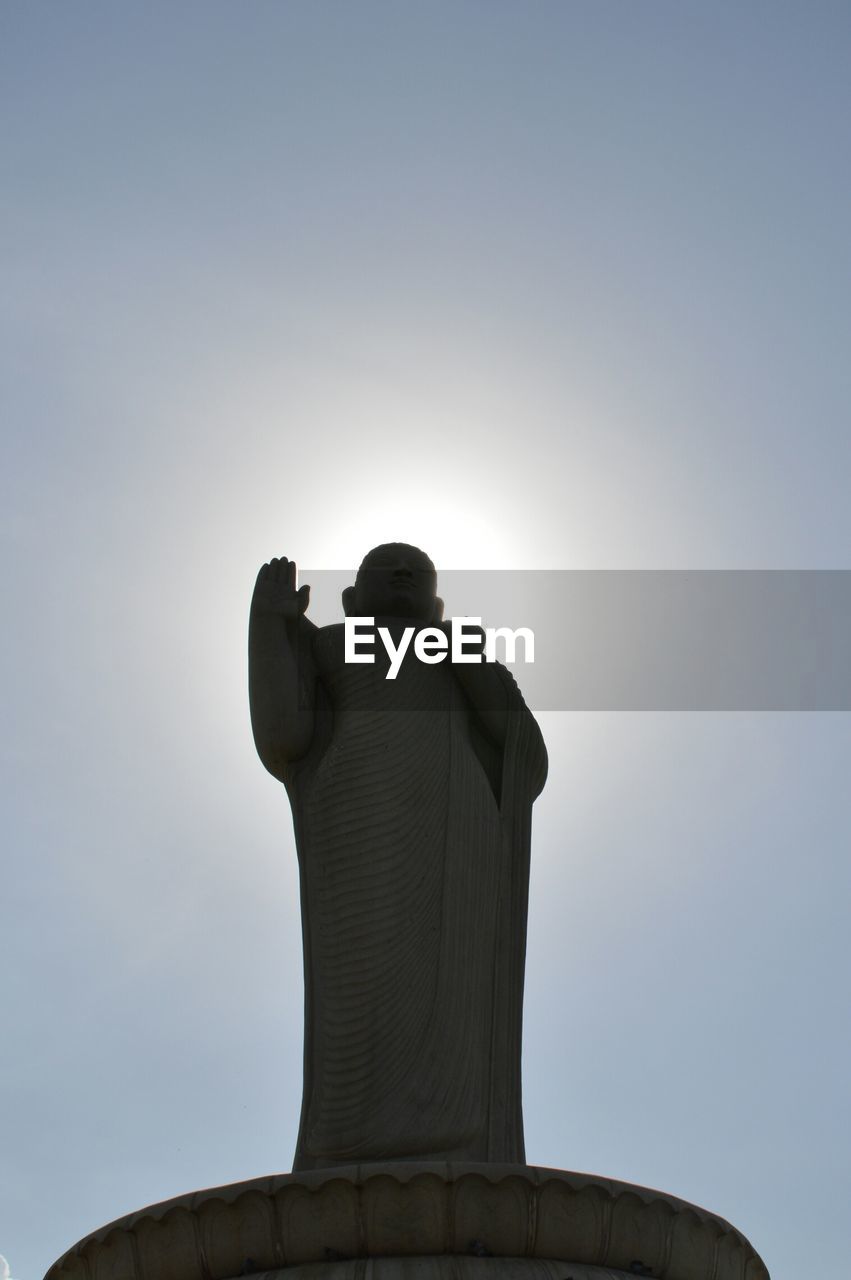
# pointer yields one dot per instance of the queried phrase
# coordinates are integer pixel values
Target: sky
(533, 286)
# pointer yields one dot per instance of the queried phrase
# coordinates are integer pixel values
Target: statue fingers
(282, 570)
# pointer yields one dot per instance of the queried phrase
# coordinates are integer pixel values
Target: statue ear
(348, 601)
(437, 614)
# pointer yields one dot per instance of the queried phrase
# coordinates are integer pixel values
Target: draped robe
(412, 830)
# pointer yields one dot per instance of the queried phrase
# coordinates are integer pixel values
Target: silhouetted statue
(411, 803)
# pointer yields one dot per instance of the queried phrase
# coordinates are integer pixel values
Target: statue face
(396, 581)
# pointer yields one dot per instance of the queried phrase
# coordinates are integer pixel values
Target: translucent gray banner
(696, 640)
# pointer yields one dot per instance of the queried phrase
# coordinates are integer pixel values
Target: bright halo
(455, 533)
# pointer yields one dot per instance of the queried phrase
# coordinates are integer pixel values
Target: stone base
(410, 1221)
(447, 1267)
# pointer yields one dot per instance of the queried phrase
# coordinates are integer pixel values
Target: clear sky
(533, 285)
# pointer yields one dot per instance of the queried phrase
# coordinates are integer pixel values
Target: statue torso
(400, 847)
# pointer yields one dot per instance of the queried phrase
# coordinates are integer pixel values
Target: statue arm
(281, 673)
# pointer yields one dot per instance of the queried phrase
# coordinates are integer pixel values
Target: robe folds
(413, 834)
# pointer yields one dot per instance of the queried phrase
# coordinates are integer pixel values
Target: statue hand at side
(481, 681)
(275, 591)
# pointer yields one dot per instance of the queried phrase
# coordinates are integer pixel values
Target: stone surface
(413, 1221)
(411, 803)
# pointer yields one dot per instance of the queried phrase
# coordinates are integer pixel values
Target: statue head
(395, 580)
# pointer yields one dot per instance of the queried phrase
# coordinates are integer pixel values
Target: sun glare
(455, 533)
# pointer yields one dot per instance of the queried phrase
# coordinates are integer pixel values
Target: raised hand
(281, 676)
(275, 591)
